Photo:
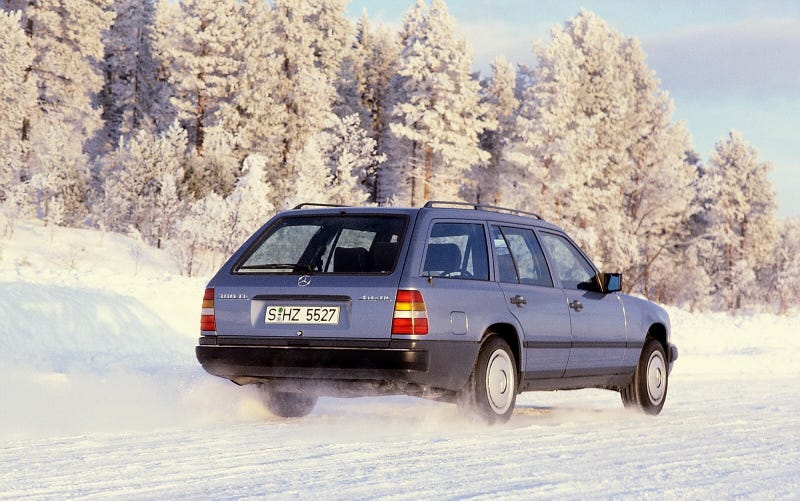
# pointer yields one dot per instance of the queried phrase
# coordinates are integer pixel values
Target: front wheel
(647, 390)
(491, 391)
(285, 404)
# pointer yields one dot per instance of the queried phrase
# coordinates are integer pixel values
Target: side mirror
(612, 282)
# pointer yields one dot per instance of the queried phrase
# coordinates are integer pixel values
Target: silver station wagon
(464, 303)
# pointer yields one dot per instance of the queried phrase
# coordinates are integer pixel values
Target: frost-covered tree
(141, 184)
(203, 53)
(216, 169)
(199, 233)
(599, 152)
(65, 36)
(364, 86)
(255, 116)
(132, 87)
(336, 164)
(17, 97)
(248, 206)
(331, 33)
(741, 223)
(352, 160)
(658, 187)
(785, 276)
(499, 96)
(436, 114)
(305, 85)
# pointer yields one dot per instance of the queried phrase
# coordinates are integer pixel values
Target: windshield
(327, 244)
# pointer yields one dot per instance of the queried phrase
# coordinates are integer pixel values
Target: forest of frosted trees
(188, 123)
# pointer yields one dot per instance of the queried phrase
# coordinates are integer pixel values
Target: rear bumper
(393, 365)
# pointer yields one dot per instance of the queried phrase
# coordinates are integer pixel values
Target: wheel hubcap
(656, 377)
(500, 381)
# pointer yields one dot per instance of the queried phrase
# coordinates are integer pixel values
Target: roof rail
(312, 204)
(493, 208)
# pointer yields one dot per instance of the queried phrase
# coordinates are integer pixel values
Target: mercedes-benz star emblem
(303, 281)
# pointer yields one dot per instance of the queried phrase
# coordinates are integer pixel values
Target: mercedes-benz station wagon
(464, 303)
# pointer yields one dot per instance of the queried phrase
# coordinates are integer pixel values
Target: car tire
(647, 390)
(491, 390)
(286, 404)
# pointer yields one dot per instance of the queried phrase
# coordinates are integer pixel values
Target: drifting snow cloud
(757, 57)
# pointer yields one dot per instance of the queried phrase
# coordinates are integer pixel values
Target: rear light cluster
(208, 322)
(410, 316)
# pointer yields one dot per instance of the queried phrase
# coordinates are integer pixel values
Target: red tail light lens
(410, 315)
(208, 322)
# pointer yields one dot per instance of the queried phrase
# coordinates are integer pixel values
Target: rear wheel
(647, 390)
(285, 404)
(491, 391)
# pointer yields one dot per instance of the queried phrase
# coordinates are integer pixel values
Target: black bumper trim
(325, 363)
(431, 364)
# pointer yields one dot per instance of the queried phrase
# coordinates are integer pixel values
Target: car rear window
(368, 244)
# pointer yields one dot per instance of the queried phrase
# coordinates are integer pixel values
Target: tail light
(208, 322)
(410, 315)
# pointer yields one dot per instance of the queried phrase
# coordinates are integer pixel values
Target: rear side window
(519, 257)
(327, 244)
(457, 250)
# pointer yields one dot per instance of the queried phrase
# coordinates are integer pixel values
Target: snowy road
(730, 437)
(102, 397)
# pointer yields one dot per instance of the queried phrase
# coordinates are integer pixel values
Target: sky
(728, 65)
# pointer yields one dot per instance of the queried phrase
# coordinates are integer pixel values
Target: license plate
(302, 315)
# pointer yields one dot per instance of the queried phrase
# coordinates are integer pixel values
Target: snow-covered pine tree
(141, 182)
(331, 35)
(248, 206)
(203, 53)
(785, 276)
(436, 112)
(352, 158)
(163, 112)
(304, 89)
(131, 72)
(742, 223)
(66, 38)
(596, 141)
(658, 186)
(364, 85)
(216, 169)
(334, 165)
(498, 94)
(17, 96)
(255, 117)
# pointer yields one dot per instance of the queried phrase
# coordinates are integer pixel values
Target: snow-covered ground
(101, 397)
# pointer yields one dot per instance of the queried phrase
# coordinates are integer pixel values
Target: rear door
(598, 320)
(540, 308)
(316, 277)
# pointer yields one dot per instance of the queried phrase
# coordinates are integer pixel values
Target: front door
(598, 320)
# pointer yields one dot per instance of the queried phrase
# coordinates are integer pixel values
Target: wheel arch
(509, 334)
(658, 331)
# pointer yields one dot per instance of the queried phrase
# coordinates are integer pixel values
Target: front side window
(327, 244)
(457, 250)
(573, 270)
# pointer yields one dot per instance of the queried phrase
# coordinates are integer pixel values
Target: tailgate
(327, 307)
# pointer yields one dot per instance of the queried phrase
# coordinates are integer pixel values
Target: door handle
(576, 305)
(518, 300)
